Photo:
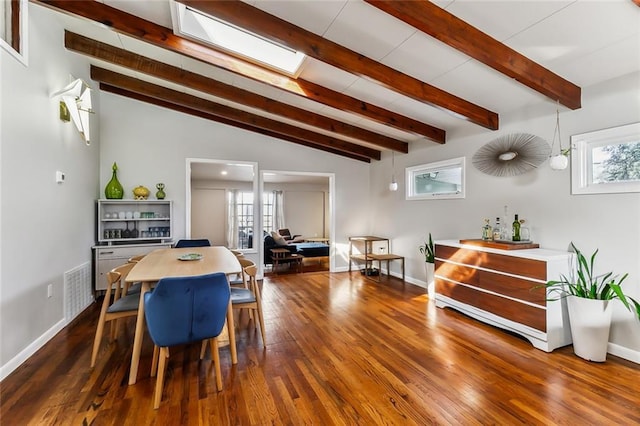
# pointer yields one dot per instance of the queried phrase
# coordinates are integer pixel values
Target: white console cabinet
(501, 287)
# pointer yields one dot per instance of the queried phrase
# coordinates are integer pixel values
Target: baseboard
(624, 352)
(17, 360)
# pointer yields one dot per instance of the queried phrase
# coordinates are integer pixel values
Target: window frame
(581, 164)
(412, 174)
(17, 46)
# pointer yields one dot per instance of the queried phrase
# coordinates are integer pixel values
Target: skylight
(194, 24)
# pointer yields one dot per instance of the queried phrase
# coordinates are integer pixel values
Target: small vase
(114, 189)
(160, 194)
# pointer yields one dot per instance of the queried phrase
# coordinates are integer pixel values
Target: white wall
(542, 197)
(150, 145)
(47, 228)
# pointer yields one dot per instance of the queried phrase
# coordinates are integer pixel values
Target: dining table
(179, 262)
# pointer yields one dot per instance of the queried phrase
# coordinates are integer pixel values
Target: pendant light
(393, 186)
(558, 161)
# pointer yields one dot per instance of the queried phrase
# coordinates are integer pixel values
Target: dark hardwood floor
(341, 350)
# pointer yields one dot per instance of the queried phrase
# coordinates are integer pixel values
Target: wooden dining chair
(182, 310)
(137, 258)
(121, 306)
(250, 299)
(241, 279)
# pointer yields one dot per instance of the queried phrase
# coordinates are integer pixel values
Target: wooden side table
(281, 255)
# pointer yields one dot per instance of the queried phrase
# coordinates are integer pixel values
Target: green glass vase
(160, 194)
(113, 190)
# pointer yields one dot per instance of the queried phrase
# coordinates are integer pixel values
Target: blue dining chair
(201, 242)
(183, 310)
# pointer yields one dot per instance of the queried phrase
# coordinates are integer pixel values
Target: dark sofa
(270, 243)
(304, 249)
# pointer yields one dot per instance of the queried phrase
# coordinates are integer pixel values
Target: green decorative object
(114, 190)
(160, 194)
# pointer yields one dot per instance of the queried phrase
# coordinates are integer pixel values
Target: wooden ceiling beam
(255, 20)
(117, 56)
(192, 102)
(453, 31)
(169, 105)
(163, 37)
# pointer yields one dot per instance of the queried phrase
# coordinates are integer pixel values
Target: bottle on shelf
(487, 231)
(516, 229)
(505, 232)
(497, 230)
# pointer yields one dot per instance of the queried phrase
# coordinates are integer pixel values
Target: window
(244, 217)
(606, 161)
(13, 27)
(436, 181)
(196, 25)
(267, 211)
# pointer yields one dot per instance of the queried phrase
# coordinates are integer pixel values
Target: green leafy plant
(583, 283)
(427, 250)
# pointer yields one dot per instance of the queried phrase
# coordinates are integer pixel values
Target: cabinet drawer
(529, 268)
(518, 288)
(505, 308)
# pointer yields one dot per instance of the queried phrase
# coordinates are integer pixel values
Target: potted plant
(429, 257)
(588, 301)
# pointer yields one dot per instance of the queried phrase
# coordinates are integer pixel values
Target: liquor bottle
(497, 230)
(516, 229)
(505, 232)
(487, 231)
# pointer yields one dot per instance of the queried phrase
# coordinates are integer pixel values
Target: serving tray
(501, 244)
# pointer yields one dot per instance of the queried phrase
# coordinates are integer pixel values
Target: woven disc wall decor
(511, 155)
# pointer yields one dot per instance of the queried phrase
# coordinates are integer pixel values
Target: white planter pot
(559, 162)
(429, 269)
(590, 323)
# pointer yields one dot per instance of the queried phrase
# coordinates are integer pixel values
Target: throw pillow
(279, 239)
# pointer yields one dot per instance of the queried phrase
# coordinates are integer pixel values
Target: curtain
(278, 210)
(232, 218)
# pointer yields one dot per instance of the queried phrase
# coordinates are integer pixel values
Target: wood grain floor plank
(341, 350)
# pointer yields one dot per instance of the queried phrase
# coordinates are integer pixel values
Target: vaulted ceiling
(380, 75)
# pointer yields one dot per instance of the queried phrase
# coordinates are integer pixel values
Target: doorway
(306, 208)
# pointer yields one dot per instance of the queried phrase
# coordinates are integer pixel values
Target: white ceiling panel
(312, 15)
(367, 30)
(154, 11)
(424, 57)
(326, 75)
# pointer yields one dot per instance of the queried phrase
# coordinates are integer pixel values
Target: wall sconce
(76, 105)
(393, 186)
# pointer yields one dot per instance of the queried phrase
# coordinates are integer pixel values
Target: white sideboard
(499, 287)
(105, 258)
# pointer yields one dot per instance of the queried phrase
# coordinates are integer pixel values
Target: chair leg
(261, 319)
(154, 361)
(164, 355)
(216, 362)
(232, 334)
(99, 331)
(203, 349)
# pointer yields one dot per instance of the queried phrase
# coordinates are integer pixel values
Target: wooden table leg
(139, 334)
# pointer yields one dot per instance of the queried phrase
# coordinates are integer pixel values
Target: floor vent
(77, 291)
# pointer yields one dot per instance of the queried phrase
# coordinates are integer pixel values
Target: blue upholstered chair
(183, 310)
(201, 242)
